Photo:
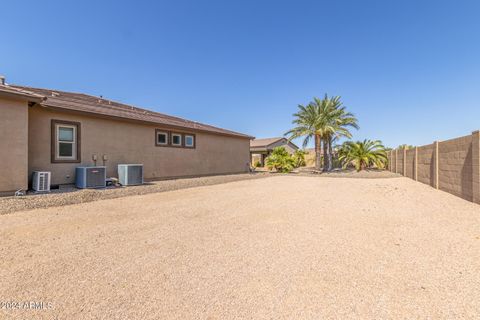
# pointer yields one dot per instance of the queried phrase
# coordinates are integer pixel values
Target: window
(167, 138)
(162, 138)
(176, 139)
(189, 141)
(65, 141)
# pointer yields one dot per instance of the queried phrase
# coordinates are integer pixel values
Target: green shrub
(299, 158)
(280, 160)
(258, 164)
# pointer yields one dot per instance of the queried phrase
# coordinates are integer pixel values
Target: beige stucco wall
(455, 166)
(13, 145)
(130, 142)
(425, 164)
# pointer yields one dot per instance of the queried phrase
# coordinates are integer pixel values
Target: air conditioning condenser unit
(130, 174)
(41, 181)
(91, 177)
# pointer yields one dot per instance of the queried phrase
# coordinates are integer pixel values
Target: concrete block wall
(452, 166)
(455, 167)
(410, 163)
(400, 157)
(425, 164)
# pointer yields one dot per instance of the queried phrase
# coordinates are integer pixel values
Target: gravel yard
(282, 247)
(71, 195)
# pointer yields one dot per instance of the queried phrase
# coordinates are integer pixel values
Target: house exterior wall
(132, 142)
(282, 143)
(13, 145)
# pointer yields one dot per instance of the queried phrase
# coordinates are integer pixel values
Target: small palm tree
(364, 154)
(280, 160)
(299, 158)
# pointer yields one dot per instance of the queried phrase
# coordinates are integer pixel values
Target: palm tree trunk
(325, 155)
(318, 151)
(330, 155)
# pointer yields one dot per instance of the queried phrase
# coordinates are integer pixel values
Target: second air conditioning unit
(41, 181)
(91, 177)
(130, 174)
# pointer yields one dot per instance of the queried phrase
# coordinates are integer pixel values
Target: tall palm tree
(338, 122)
(363, 154)
(325, 120)
(308, 125)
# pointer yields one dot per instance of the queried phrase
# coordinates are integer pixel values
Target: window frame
(180, 135)
(55, 142)
(157, 132)
(194, 138)
(170, 134)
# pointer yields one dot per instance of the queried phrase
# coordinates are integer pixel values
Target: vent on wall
(130, 174)
(41, 181)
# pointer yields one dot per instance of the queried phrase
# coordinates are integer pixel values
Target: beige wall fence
(452, 166)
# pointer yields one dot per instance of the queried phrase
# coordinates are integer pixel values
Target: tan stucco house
(51, 130)
(261, 148)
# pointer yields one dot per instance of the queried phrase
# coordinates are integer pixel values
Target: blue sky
(409, 70)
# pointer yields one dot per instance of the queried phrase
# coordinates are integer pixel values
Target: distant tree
(363, 154)
(405, 146)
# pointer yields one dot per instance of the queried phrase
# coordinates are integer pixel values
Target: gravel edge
(41, 201)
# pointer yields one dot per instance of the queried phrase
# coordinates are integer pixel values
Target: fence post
(476, 166)
(415, 165)
(435, 165)
(404, 162)
(396, 160)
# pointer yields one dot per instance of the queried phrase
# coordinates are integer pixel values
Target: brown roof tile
(100, 106)
(7, 89)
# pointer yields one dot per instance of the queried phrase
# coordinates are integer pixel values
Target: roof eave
(239, 135)
(21, 96)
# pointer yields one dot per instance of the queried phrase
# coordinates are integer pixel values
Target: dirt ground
(283, 247)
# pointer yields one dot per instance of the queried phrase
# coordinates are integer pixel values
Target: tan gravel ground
(71, 195)
(285, 247)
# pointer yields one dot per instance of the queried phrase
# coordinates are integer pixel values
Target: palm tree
(308, 124)
(363, 154)
(325, 120)
(338, 122)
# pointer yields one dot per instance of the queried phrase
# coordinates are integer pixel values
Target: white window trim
(193, 141)
(180, 137)
(73, 143)
(166, 140)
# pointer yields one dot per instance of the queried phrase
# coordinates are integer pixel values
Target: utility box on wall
(90, 177)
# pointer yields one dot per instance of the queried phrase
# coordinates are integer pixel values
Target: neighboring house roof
(100, 106)
(266, 143)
